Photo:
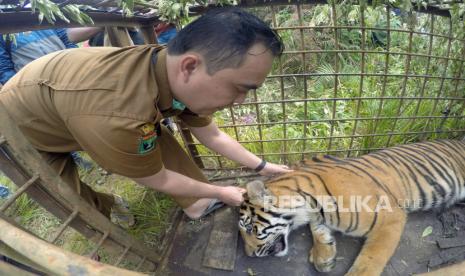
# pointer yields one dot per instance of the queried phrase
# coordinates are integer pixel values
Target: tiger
(323, 192)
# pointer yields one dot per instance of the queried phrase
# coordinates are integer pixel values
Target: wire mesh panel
(352, 79)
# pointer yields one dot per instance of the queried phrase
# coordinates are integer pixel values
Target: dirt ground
(417, 252)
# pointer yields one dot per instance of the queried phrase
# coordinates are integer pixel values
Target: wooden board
(221, 248)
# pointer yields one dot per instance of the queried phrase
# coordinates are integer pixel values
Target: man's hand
(232, 195)
(271, 169)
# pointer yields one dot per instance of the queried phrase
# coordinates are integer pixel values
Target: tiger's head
(265, 230)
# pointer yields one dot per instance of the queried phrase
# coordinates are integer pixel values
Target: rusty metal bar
(53, 259)
(364, 74)
(349, 136)
(283, 105)
(404, 82)
(456, 92)
(281, 83)
(456, 98)
(346, 119)
(440, 92)
(362, 70)
(64, 225)
(9, 269)
(425, 81)
(120, 258)
(301, 32)
(148, 33)
(368, 52)
(236, 133)
(7, 251)
(233, 119)
(304, 65)
(461, 111)
(429, 9)
(2, 140)
(336, 70)
(100, 243)
(260, 131)
(117, 37)
(141, 262)
(368, 29)
(18, 192)
(188, 140)
(297, 153)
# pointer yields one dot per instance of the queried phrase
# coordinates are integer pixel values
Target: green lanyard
(178, 105)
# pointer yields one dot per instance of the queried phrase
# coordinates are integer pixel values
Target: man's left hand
(271, 169)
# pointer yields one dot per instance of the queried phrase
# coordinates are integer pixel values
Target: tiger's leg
(323, 252)
(380, 244)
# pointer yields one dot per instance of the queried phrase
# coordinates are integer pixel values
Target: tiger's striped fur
(409, 177)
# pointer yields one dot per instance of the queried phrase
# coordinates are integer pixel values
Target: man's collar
(161, 74)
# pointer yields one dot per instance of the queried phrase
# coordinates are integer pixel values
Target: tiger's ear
(256, 192)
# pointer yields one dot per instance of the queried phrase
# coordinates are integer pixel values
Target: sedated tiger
(368, 196)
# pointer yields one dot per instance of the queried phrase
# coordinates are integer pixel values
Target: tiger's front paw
(324, 258)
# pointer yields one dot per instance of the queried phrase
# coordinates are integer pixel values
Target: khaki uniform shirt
(106, 101)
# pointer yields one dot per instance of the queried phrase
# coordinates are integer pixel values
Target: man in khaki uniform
(109, 102)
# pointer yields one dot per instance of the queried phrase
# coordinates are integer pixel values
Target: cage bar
(18, 192)
(121, 257)
(99, 244)
(64, 225)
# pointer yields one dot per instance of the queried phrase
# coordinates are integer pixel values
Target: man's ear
(256, 192)
(189, 64)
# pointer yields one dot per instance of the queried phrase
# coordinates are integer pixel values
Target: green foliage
(150, 208)
(27, 213)
(178, 11)
(48, 10)
(169, 10)
(74, 13)
(306, 102)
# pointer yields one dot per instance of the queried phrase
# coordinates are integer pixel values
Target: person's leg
(176, 159)
(64, 165)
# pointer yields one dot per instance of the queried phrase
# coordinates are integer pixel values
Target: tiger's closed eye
(249, 228)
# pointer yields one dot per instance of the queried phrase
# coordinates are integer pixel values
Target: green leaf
(428, 230)
(250, 272)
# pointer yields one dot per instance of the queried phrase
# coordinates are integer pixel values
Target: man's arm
(220, 142)
(175, 184)
(76, 35)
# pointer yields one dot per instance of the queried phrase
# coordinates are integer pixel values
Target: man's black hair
(223, 37)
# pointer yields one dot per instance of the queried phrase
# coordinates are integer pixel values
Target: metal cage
(353, 78)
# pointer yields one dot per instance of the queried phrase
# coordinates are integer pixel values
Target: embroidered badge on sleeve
(147, 142)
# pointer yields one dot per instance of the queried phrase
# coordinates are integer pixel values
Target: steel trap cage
(353, 78)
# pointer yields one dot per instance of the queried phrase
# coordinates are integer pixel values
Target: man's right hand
(232, 195)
